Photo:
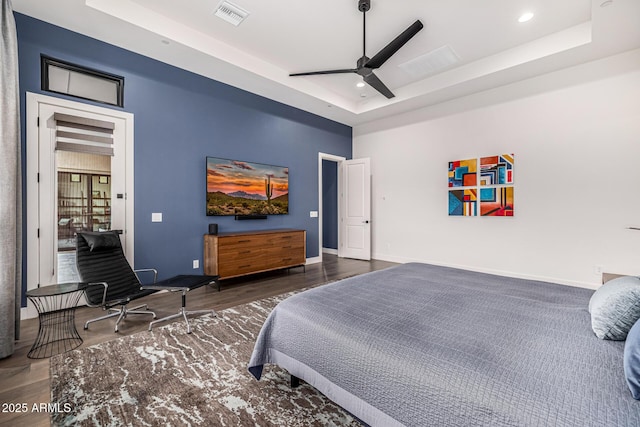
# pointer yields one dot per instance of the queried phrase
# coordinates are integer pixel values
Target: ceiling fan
(365, 65)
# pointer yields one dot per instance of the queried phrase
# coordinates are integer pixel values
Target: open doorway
(353, 207)
(355, 213)
(329, 203)
(79, 178)
(330, 207)
(84, 203)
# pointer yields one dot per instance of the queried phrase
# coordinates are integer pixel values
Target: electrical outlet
(196, 263)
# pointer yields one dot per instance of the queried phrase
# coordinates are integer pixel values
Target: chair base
(122, 313)
(183, 313)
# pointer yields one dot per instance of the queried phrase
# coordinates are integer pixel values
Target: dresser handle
(245, 266)
(244, 241)
(244, 252)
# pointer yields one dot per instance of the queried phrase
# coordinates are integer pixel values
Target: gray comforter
(422, 345)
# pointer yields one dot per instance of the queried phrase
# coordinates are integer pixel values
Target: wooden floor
(27, 381)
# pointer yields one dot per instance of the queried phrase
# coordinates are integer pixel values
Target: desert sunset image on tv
(243, 188)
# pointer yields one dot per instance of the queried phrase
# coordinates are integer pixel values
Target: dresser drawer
(287, 250)
(286, 261)
(241, 253)
(234, 243)
(240, 267)
(286, 239)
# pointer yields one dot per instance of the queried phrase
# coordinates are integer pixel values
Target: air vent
(231, 13)
(431, 63)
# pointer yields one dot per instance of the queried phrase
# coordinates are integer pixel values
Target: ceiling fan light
(360, 84)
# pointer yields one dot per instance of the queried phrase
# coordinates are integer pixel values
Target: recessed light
(525, 17)
(360, 84)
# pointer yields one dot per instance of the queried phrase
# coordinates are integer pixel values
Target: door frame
(32, 219)
(338, 160)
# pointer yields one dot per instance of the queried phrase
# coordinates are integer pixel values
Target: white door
(355, 217)
(105, 200)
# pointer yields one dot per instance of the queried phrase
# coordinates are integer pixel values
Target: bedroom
(574, 133)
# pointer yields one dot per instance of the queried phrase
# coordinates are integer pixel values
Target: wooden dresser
(237, 254)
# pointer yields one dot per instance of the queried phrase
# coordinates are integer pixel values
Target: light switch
(313, 214)
(156, 217)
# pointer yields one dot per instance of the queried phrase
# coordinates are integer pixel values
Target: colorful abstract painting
(496, 201)
(463, 173)
(463, 202)
(496, 170)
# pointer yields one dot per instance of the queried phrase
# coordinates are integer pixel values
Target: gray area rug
(168, 377)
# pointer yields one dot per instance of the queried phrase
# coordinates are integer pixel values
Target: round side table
(56, 305)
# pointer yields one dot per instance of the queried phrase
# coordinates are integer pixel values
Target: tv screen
(244, 188)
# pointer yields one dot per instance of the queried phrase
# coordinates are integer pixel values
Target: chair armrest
(147, 270)
(104, 293)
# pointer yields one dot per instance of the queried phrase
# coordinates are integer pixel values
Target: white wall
(576, 176)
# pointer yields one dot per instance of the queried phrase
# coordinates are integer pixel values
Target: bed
(422, 345)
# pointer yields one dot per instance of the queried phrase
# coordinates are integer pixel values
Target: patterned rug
(168, 377)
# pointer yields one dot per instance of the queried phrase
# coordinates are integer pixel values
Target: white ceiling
(285, 36)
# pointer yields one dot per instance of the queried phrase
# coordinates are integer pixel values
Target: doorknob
(365, 221)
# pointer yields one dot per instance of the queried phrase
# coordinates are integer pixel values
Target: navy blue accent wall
(180, 118)
(329, 204)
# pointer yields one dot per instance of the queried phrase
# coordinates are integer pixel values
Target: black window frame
(45, 61)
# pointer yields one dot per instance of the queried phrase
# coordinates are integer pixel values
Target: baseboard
(330, 251)
(28, 312)
(314, 260)
(404, 260)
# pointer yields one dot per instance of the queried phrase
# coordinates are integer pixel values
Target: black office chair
(101, 263)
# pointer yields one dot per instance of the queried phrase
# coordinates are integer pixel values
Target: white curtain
(10, 185)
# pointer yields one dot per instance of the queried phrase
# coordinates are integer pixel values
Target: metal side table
(56, 305)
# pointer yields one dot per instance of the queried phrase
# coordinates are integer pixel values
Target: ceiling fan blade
(388, 51)
(313, 73)
(377, 84)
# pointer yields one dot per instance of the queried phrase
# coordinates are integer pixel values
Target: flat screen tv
(244, 188)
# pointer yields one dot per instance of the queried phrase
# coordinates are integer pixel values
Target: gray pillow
(615, 307)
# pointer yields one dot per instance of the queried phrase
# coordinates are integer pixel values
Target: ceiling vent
(431, 63)
(231, 13)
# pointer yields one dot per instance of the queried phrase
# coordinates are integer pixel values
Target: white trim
(33, 102)
(28, 312)
(314, 260)
(339, 160)
(31, 182)
(330, 251)
(404, 260)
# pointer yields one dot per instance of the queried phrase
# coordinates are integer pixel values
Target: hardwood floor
(27, 381)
